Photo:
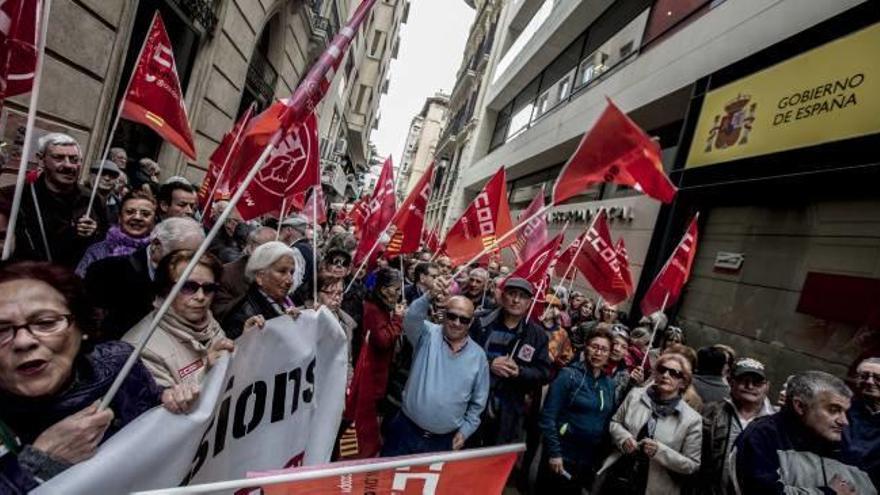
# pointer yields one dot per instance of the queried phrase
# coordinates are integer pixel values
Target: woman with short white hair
(274, 271)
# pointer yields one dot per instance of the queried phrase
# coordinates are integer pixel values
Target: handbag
(628, 475)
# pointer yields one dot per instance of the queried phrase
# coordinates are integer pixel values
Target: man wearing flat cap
(295, 232)
(518, 363)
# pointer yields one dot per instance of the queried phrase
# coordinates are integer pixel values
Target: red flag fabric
(292, 168)
(623, 261)
(223, 155)
(568, 255)
(533, 236)
(615, 150)
(410, 218)
(485, 219)
(480, 475)
(380, 211)
(674, 274)
(154, 97)
(358, 213)
(432, 241)
(535, 268)
(315, 208)
(598, 261)
(18, 46)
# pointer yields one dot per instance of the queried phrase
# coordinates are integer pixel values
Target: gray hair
(116, 150)
(479, 272)
(171, 233)
(265, 256)
(870, 360)
(55, 139)
(259, 236)
(808, 384)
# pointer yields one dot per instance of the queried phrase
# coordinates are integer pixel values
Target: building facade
(229, 54)
(551, 69)
(421, 142)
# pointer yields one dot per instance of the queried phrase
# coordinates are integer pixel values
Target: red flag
(18, 46)
(225, 154)
(292, 168)
(432, 242)
(598, 261)
(615, 150)
(623, 260)
(566, 256)
(380, 211)
(154, 97)
(674, 274)
(315, 208)
(486, 219)
(533, 236)
(410, 218)
(358, 213)
(535, 268)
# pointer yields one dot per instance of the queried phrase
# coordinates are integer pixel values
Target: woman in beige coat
(657, 436)
(188, 340)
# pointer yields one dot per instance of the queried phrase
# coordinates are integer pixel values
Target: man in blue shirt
(448, 384)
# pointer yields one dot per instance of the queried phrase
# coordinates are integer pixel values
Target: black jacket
(59, 214)
(303, 293)
(252, 304)
(122, 289)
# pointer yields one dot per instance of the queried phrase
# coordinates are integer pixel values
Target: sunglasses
(340, 262)
(663, 370)
(453, 317)
(189, 288)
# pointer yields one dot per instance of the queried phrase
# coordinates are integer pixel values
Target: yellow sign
(826, 94)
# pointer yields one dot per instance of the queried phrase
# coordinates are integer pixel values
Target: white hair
(116, 150)
(808, 384)
(481, 273)
(55, 139)
(265, 256)
(172, 232)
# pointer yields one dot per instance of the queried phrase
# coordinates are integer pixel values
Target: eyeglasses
(453, 317)
(674, 373)
(41, 326)
(60, 157)
(189, 288)
(599, 349)
(864, 376)
(340, 262)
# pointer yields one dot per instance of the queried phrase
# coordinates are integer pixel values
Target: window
(378, 46)
(521, 114)
(363, 97)
(524, 37)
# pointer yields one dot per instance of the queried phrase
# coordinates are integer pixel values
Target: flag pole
(280, 218)
(315, 240)
(190, 267)
(116, 120)
(654, 331)
(28, 132)
(226, 161)
(40, 223)
(367, 258)
(497, 241)
(535, 299)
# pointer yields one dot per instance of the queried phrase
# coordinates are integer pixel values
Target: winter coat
(381, 331)
(176, 352)
(711, 388)
(679, 436)
(121, 286)
(117, 243)
(861, 441)
(233, 287)
(576, 414)
(721, 428)
(253, 303)
(94, 371)
(779, 455)
(59, 214)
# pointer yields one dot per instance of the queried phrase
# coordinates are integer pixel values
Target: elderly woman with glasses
(657, 436)
(188, 339)
(51, 377)
(575, 418)
(330, 291)
(272, 270)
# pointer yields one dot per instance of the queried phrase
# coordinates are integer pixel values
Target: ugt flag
(18, 46)
(666, 287)
(221, 161)
(379, 212)
(537, 266)
(615, 150)
(410, 217)
(154, 97)
(598, 261)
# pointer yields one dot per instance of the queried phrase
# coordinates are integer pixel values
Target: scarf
(660, 408)
(199, 337)
(118, 243)
(280, 308)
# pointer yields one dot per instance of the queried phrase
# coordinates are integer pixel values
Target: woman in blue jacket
(575, 418)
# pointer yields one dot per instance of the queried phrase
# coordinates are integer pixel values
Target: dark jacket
(233, 287)
(711, 388)
(59, 214)
(778, 455)
(225, 247)
(576, 414)
(93, 373)
(411, 293)
(303, 293)
(121, 287)
(252, 304)
(861, 441)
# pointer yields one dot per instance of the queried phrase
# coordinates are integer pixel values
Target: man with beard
(60, 208)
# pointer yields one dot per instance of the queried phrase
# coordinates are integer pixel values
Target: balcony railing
(261, 76)
(201, 12)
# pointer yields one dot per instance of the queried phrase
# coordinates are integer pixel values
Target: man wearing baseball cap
(724, 420)
(518, 363)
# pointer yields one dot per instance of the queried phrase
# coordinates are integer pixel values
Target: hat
(298, 222)
(108, 167)
(748, 365)
(521, 284)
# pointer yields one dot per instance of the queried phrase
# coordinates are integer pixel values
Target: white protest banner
(277, 403)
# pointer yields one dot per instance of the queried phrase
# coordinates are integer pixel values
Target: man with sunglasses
(862, 440)
(60, 205)
(724, 420)
(448, 383)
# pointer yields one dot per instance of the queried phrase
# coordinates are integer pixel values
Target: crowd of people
(441, 357)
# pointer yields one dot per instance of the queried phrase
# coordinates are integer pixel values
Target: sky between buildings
(431, 46)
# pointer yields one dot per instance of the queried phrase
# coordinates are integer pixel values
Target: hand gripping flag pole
(654, 331)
